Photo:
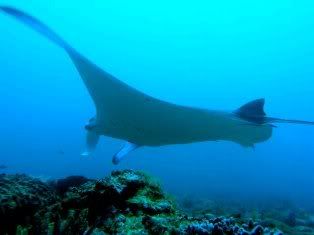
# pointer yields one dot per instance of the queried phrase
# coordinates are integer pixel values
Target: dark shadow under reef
(126, 202)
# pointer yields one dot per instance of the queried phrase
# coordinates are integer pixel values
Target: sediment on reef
(126, 202)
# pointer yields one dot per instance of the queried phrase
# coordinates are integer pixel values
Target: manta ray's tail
(270, 119)
(37, 26)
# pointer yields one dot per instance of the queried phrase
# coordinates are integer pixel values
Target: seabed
(131, 202)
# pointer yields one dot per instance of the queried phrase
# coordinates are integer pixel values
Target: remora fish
(125, 113)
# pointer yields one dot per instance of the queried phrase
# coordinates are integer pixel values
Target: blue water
(216, 55)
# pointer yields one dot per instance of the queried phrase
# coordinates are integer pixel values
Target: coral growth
(270, 214)
(126, 202)
(20, 198)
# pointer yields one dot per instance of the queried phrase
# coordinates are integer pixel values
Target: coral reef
(63, 185)
(274, 213)
(126, 202)
(20, 198)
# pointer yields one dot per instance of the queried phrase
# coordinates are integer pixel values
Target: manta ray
(126, 113)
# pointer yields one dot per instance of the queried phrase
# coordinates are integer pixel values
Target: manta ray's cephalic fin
(126, 149)
(91, 143)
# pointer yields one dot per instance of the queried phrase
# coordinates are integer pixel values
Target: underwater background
(209, 54)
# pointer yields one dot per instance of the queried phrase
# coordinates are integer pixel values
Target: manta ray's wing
(116, 102)
(102, 86)
(91, 143)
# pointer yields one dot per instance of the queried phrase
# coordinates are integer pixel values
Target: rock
(217, 230)
(245, 226)
(126, 202)
(63, 185)
(310, 222)
(269, 223)
(250, 224)
(209, 216)
(155, 225)
(21, 197)
(202, 228)
(291, 219)
(277, 233)
(297, 222)
(113, 204)
(258, 230)
(244, 232)
(303, 229)
(144, 203)
(236, 229)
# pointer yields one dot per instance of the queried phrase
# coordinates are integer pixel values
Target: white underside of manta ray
(125, 113)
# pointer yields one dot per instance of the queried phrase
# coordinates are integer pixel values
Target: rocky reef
(269, 213)
(126, 202)
(21, 197)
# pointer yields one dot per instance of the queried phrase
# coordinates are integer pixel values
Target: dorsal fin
(252, 111)
(254, 108)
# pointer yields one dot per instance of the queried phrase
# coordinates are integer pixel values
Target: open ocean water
(206, 54)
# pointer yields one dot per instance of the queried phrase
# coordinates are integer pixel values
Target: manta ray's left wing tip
(6, 8)
(16, 13)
